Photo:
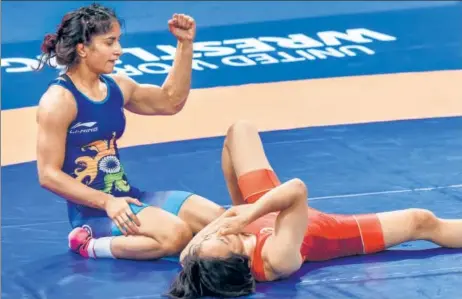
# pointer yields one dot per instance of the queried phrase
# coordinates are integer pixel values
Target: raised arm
(168, 99)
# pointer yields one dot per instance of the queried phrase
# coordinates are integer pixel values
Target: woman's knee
(177, 239)
(424, 222)
(168, 230)
(240, 127)
(169, 243)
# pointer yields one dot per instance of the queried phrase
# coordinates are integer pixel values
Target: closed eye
(110, 40)
(225, 241)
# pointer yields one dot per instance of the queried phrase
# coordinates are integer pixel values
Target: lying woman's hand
(235, 220)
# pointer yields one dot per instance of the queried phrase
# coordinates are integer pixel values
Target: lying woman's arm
(281, 251)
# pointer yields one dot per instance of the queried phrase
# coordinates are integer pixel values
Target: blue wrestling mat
(349, 168)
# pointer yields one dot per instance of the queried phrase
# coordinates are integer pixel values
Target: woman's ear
(81, 50)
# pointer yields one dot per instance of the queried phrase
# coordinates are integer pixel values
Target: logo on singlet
(81, 128)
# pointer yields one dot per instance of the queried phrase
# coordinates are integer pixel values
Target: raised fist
(183, 27)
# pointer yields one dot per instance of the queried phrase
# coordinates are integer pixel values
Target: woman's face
(215, 245)
(104, 50)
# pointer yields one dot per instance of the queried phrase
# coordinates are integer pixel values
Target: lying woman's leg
(384, 230)
(420, 224)
(245, 166)
(330, 236)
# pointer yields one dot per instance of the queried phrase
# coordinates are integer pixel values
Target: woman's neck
(85, 77)
(249, 241)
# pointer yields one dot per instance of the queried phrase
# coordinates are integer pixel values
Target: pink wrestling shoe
(79, 240)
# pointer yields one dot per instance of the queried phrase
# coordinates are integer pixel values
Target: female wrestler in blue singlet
(81, 117)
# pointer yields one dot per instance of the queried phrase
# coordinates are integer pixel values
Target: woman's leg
(195, 210)
(168, 221)
(198, 212)
(160, 234)
(243, 155)
(420, 224)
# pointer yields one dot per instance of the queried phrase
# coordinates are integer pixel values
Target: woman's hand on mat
(234, 220)
(119, 211)
(183, 27)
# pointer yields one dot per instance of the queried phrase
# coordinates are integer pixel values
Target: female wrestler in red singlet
(270, 231)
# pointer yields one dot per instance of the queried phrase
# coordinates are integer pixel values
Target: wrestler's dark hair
(216, 277)
(78, 26)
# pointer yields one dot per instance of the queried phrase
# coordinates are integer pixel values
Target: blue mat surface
(350, 169)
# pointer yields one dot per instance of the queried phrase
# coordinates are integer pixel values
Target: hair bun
(49, 43)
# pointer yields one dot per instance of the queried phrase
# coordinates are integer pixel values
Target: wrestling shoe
(79, 240)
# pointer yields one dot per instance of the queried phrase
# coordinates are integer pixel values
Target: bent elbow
(175, 108)
(46, 178)
(44, 181)
(176, 99)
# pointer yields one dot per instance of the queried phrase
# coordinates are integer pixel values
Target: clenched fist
(183, 27)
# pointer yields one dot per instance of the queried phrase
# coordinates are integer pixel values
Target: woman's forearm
(65, 186)
(178, 82)
(276, 200)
